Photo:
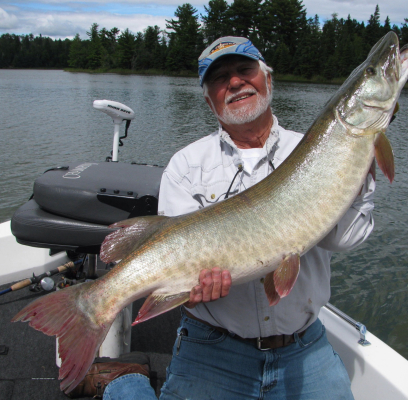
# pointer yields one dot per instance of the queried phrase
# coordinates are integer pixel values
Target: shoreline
(188, 74)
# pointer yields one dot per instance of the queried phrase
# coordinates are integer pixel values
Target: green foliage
(290, 43)
(126, 49)
(77, 53)
(244, 18)
(186, 40)
(28, 51)
(216, 23)
(94, 48)
(108, 41)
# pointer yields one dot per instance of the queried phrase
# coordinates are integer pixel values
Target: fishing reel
(64, 276)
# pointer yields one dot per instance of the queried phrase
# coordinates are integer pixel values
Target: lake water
(47, 120)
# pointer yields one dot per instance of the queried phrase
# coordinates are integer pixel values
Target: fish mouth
(403, 58)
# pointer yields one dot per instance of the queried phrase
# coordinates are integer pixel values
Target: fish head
(367, 99)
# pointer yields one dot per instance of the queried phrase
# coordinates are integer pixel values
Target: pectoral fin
(159, 304)
(270, 290)
(384, 156)
(280, 282)
(122, 242)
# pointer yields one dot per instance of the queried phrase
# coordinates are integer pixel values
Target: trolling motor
(119, 113)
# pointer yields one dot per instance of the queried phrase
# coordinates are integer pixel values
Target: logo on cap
(221, 46)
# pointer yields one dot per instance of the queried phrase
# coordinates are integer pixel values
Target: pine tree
(283, 22)
(126, 49)
(108, 41)
(76, 54)
(244, 18)
(186, 39)
(373, 31)
(216, 23)
(95, 47)
(306, 61)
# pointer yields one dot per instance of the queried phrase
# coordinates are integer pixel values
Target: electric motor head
(117, 111)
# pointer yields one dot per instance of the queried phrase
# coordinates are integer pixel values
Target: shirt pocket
(211, 194)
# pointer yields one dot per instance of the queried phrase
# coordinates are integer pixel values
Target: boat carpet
(28, 370)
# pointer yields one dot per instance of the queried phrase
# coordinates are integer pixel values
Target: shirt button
(266, 319)
(262, 280)
(213, 196)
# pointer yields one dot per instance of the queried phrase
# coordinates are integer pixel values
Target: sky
(64, 19)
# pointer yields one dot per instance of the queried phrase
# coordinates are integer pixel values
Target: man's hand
(214, 284)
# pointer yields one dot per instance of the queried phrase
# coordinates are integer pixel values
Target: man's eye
(218, 78)
(247, 70)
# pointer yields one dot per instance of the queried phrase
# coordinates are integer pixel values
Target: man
(239, 347)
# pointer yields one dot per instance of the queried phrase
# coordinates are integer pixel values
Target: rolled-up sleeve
(356, 225)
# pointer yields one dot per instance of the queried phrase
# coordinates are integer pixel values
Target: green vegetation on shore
(299, 49)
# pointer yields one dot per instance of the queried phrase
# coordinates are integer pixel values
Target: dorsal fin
(133, 231)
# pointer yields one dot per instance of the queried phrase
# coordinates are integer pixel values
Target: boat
(53, 240)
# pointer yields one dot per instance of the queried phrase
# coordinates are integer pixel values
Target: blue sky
(60, 19)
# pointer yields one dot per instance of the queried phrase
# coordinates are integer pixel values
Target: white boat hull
(376, 371)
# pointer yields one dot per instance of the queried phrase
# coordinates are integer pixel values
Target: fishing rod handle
(21, 284)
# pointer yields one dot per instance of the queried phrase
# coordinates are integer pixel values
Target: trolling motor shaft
(119, 113)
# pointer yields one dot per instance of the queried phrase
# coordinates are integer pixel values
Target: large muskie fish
(262, 231)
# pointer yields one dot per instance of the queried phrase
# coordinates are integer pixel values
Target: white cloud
(56, 18)
(361, 10)
(7, 21)
(68, 24)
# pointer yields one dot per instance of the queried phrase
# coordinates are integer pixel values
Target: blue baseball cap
(226, 46)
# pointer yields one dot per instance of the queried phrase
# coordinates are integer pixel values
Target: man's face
(237, 90)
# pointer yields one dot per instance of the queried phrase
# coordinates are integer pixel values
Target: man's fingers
(196, 296)
(226, 283)
(214, 284)
(206, 280)
(217, 284)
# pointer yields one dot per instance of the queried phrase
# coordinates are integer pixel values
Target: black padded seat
(35, 227)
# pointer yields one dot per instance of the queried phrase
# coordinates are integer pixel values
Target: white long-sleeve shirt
(200, 175)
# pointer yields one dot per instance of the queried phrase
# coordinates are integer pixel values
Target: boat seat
(33, 226)
(72, 206)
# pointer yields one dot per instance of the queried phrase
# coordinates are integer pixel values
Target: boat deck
(29, 371)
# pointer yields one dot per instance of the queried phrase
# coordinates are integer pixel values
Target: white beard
(246, 113)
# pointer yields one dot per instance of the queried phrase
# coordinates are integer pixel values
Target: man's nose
(235, 81)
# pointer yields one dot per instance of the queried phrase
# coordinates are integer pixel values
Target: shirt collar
(269, 146)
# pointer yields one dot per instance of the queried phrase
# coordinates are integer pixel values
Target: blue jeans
(209, 364)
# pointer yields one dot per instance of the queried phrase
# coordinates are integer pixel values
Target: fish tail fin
(79, 337)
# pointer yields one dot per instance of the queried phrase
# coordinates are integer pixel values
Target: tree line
(290, 42)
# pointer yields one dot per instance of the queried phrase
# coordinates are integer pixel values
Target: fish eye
(370, 71)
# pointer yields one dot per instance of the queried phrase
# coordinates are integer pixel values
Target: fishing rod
(37, 279)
